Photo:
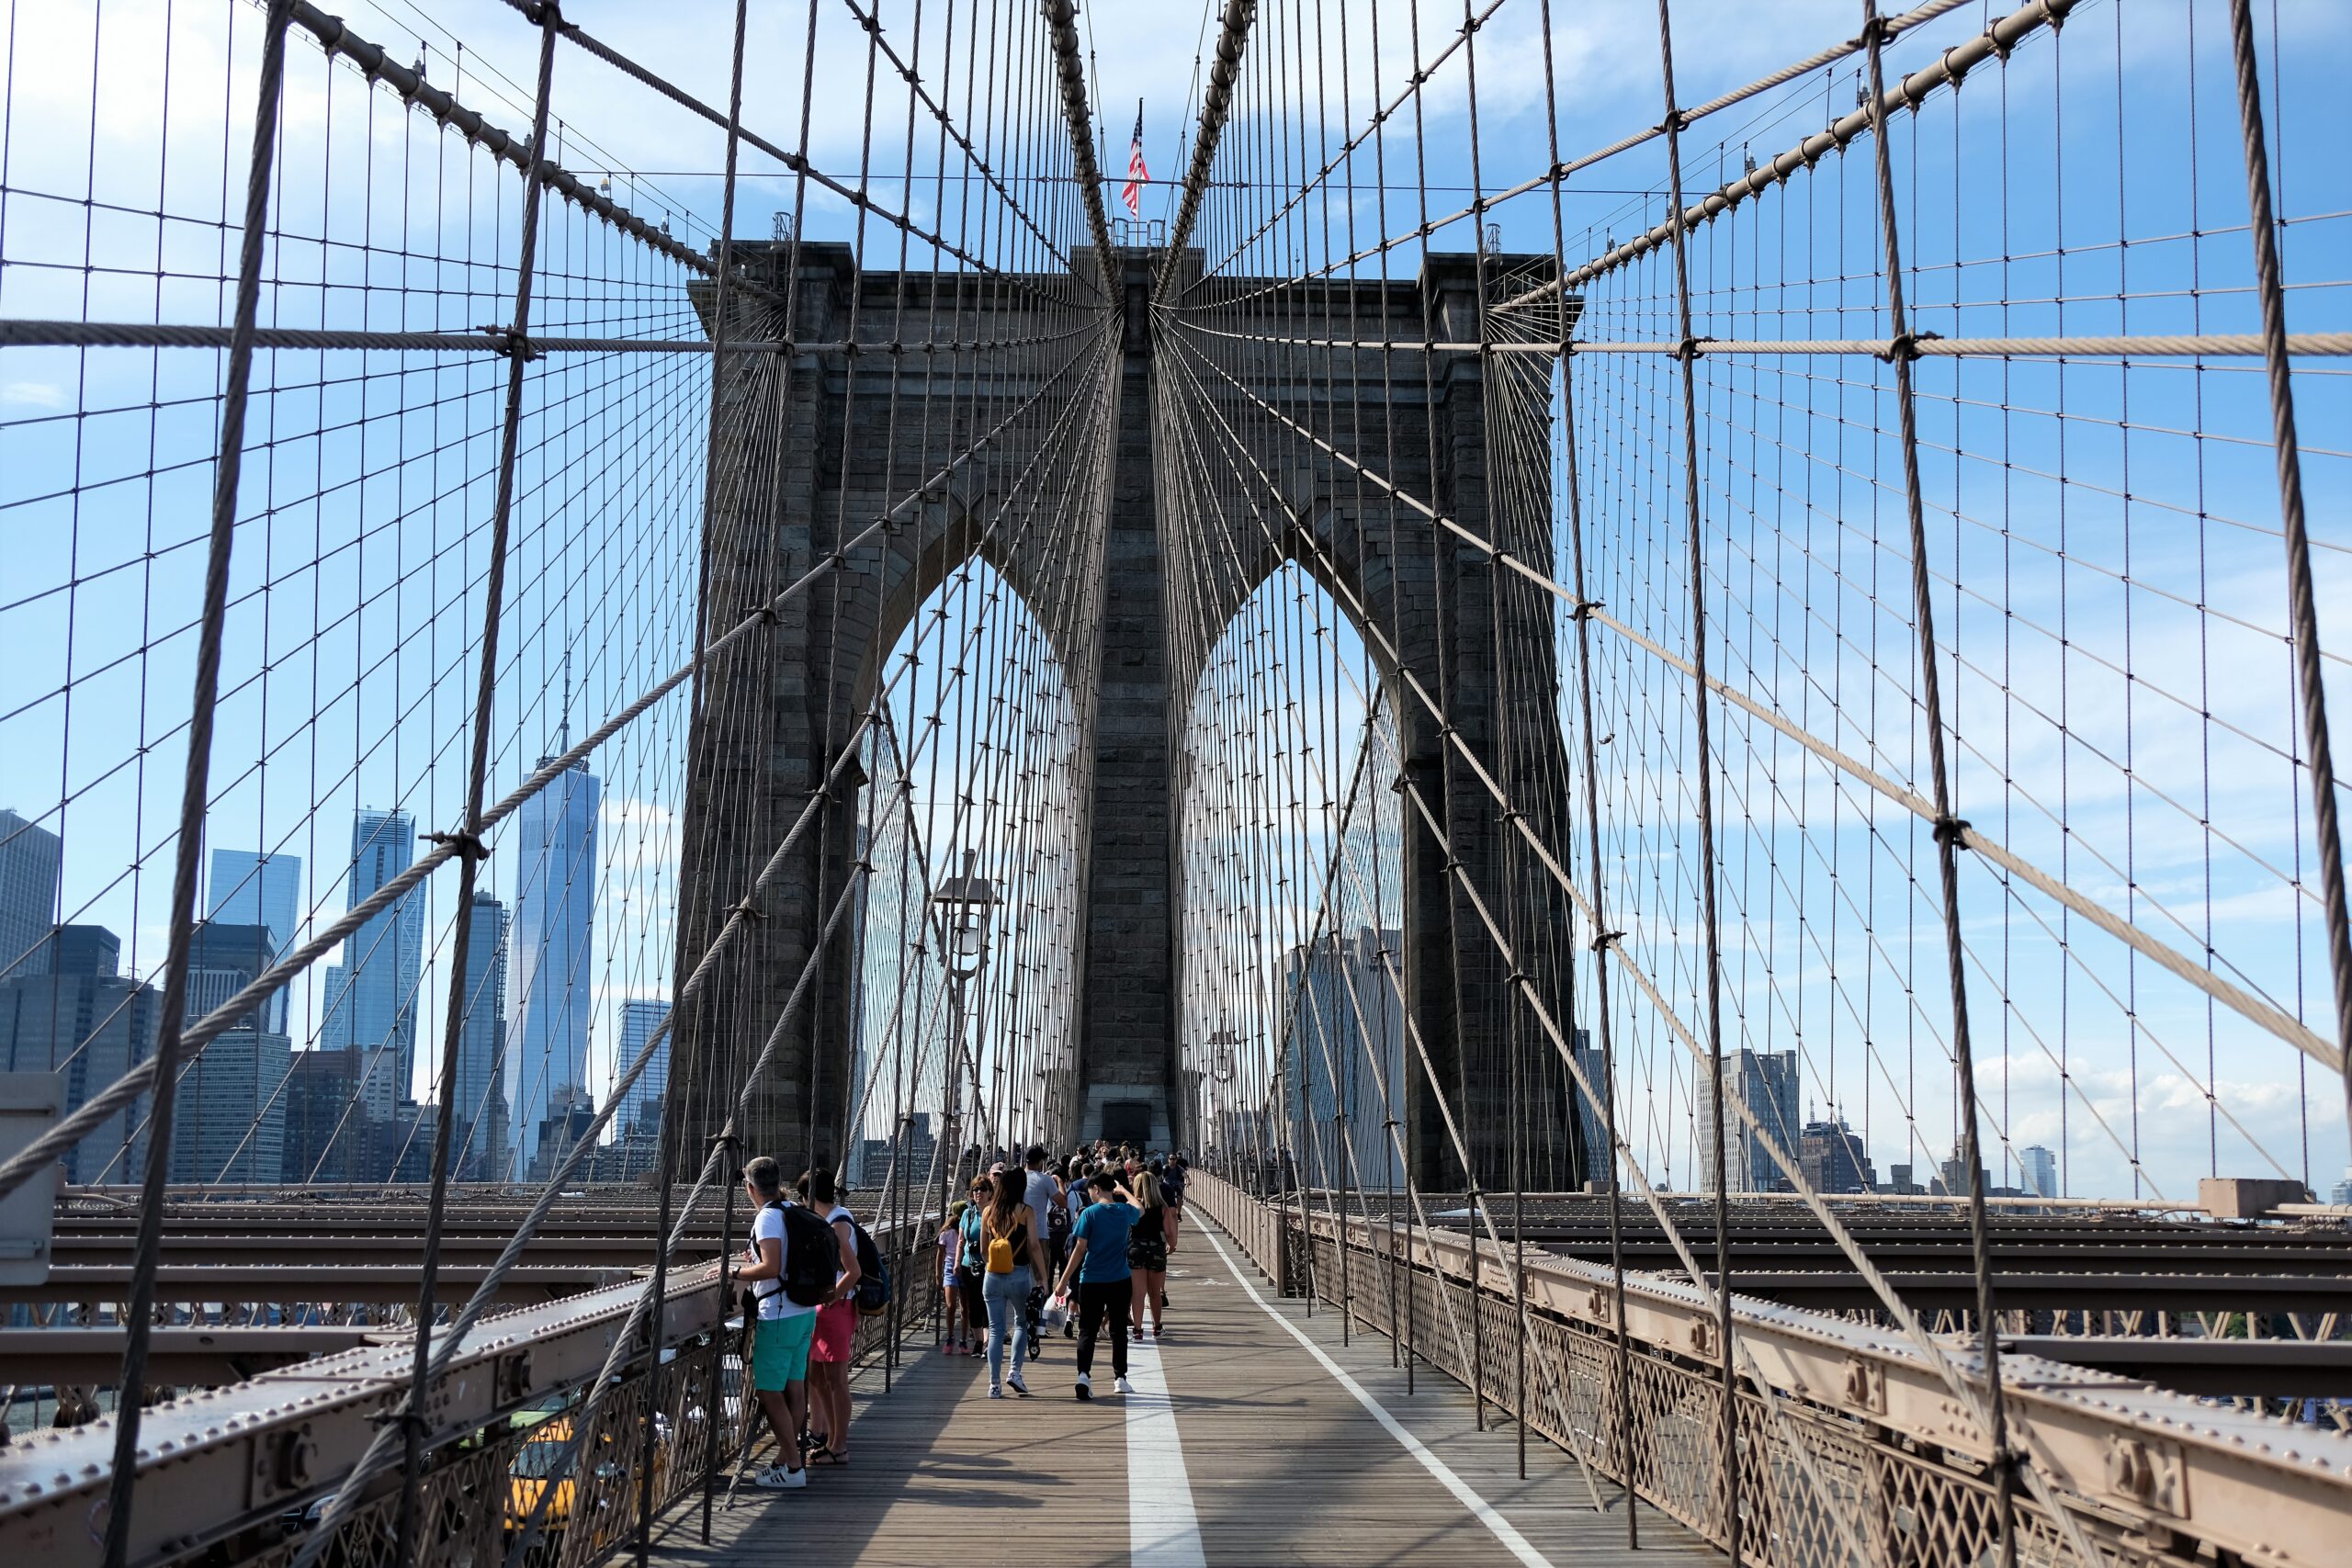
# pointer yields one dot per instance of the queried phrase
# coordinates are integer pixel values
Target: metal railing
(1866, 1460)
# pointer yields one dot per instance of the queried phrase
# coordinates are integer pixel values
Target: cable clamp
(1520, 978)
(467, 845)
(747, 911)
(405, 1418)
(1905, 347)
(1952, 830)
(1603, 940)
(544, 12)
(1583, 608)
(1686, 350)
(509, 342)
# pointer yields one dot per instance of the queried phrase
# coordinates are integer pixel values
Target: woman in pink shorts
(829, 1350)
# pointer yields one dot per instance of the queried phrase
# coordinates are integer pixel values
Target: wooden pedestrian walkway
(1273, 1444)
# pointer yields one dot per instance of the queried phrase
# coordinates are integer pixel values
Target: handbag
(1055, 1313)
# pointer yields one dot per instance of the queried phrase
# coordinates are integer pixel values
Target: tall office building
(549, 969)
(372, 997)
(31, 858)
(1589, 1120)
(86, 1020)
(1765, 1082)
(640, 1112)
(2040, 1168)
(479, 1138)
(229, 1122)
(1346, 1040)
(326, 1138)
(251, 888)
(1833, 1158)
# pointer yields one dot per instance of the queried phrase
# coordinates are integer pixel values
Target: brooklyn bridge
(1617, 718)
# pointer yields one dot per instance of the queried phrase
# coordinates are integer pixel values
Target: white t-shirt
(774, 1303)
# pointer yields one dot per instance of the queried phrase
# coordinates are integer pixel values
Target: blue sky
(350, 661)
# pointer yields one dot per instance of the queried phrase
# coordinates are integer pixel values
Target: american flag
(1131, 192)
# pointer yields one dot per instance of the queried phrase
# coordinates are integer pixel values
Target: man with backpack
(793, 1259)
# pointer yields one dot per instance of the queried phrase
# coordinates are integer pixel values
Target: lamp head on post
(964, 903)
(1221, 1055)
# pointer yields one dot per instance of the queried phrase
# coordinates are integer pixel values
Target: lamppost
(1222, 1072)
(964, 905)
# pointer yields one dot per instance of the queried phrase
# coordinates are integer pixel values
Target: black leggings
(1098, 1299)
(976, 1306)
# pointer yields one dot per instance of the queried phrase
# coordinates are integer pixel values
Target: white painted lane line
(1163, 1530)
(1513, 1542)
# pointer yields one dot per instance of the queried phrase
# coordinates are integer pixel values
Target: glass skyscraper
(250, 888)
(30, 857)
(553, 852)
(477, 1099)
(1346, 1041)
(372, 996)
(641, 1111)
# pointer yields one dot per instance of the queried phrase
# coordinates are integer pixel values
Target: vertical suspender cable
(471, 849)
(1695, 564)
(666, 1139)
(2302, 609)
(1947, 827)
(195, 789)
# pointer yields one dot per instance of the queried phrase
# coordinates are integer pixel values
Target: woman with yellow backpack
(1010, 1257)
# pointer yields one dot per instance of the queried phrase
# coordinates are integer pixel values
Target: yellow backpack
(1000, 1253)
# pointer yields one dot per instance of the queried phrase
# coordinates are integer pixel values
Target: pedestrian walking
(836, 1331)
(1013, 1258)
(1043, 1193)
(1098, 1262)
(784, 1316)
(951, 1280)
(1148, 1243)
(968, 1273)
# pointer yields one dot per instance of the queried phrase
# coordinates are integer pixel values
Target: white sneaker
(1124, 1386)
(1016, 1385)
(1085, 1386)
(995, 1392)
(775, 1478)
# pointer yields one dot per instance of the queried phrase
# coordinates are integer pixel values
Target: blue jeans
(1008, 1299)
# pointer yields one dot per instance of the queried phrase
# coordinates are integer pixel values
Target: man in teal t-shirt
(1097, 1258)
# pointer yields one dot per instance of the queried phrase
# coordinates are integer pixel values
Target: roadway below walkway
(1254, 1437)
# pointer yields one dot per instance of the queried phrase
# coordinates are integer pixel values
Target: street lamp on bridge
(964, 905)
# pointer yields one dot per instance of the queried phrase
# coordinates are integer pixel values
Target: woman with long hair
(1148, 1244)
(1011, 1257)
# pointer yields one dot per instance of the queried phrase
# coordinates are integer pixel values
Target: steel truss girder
(213, 1464)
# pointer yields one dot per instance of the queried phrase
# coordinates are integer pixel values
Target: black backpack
(812, 1258)
(1058, 1220)
(872, 1277)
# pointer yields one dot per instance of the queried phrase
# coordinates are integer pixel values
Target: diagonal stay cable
(70, 1130)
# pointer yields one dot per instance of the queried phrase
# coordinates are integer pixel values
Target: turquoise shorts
(780, 1350)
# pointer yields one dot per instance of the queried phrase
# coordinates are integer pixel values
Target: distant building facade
(80, 1018)
(549, 969)
(251, 888)
(372, 997)
(229, 1114)
(1833, 1158)
(481, 1138)
(31, 858)
(1346, 1040)
(2040, 1171)
(1765, 1082)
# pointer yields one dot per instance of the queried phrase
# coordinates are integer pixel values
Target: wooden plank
(1286, 1467)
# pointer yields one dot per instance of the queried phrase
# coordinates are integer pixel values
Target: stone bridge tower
(812, 443)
